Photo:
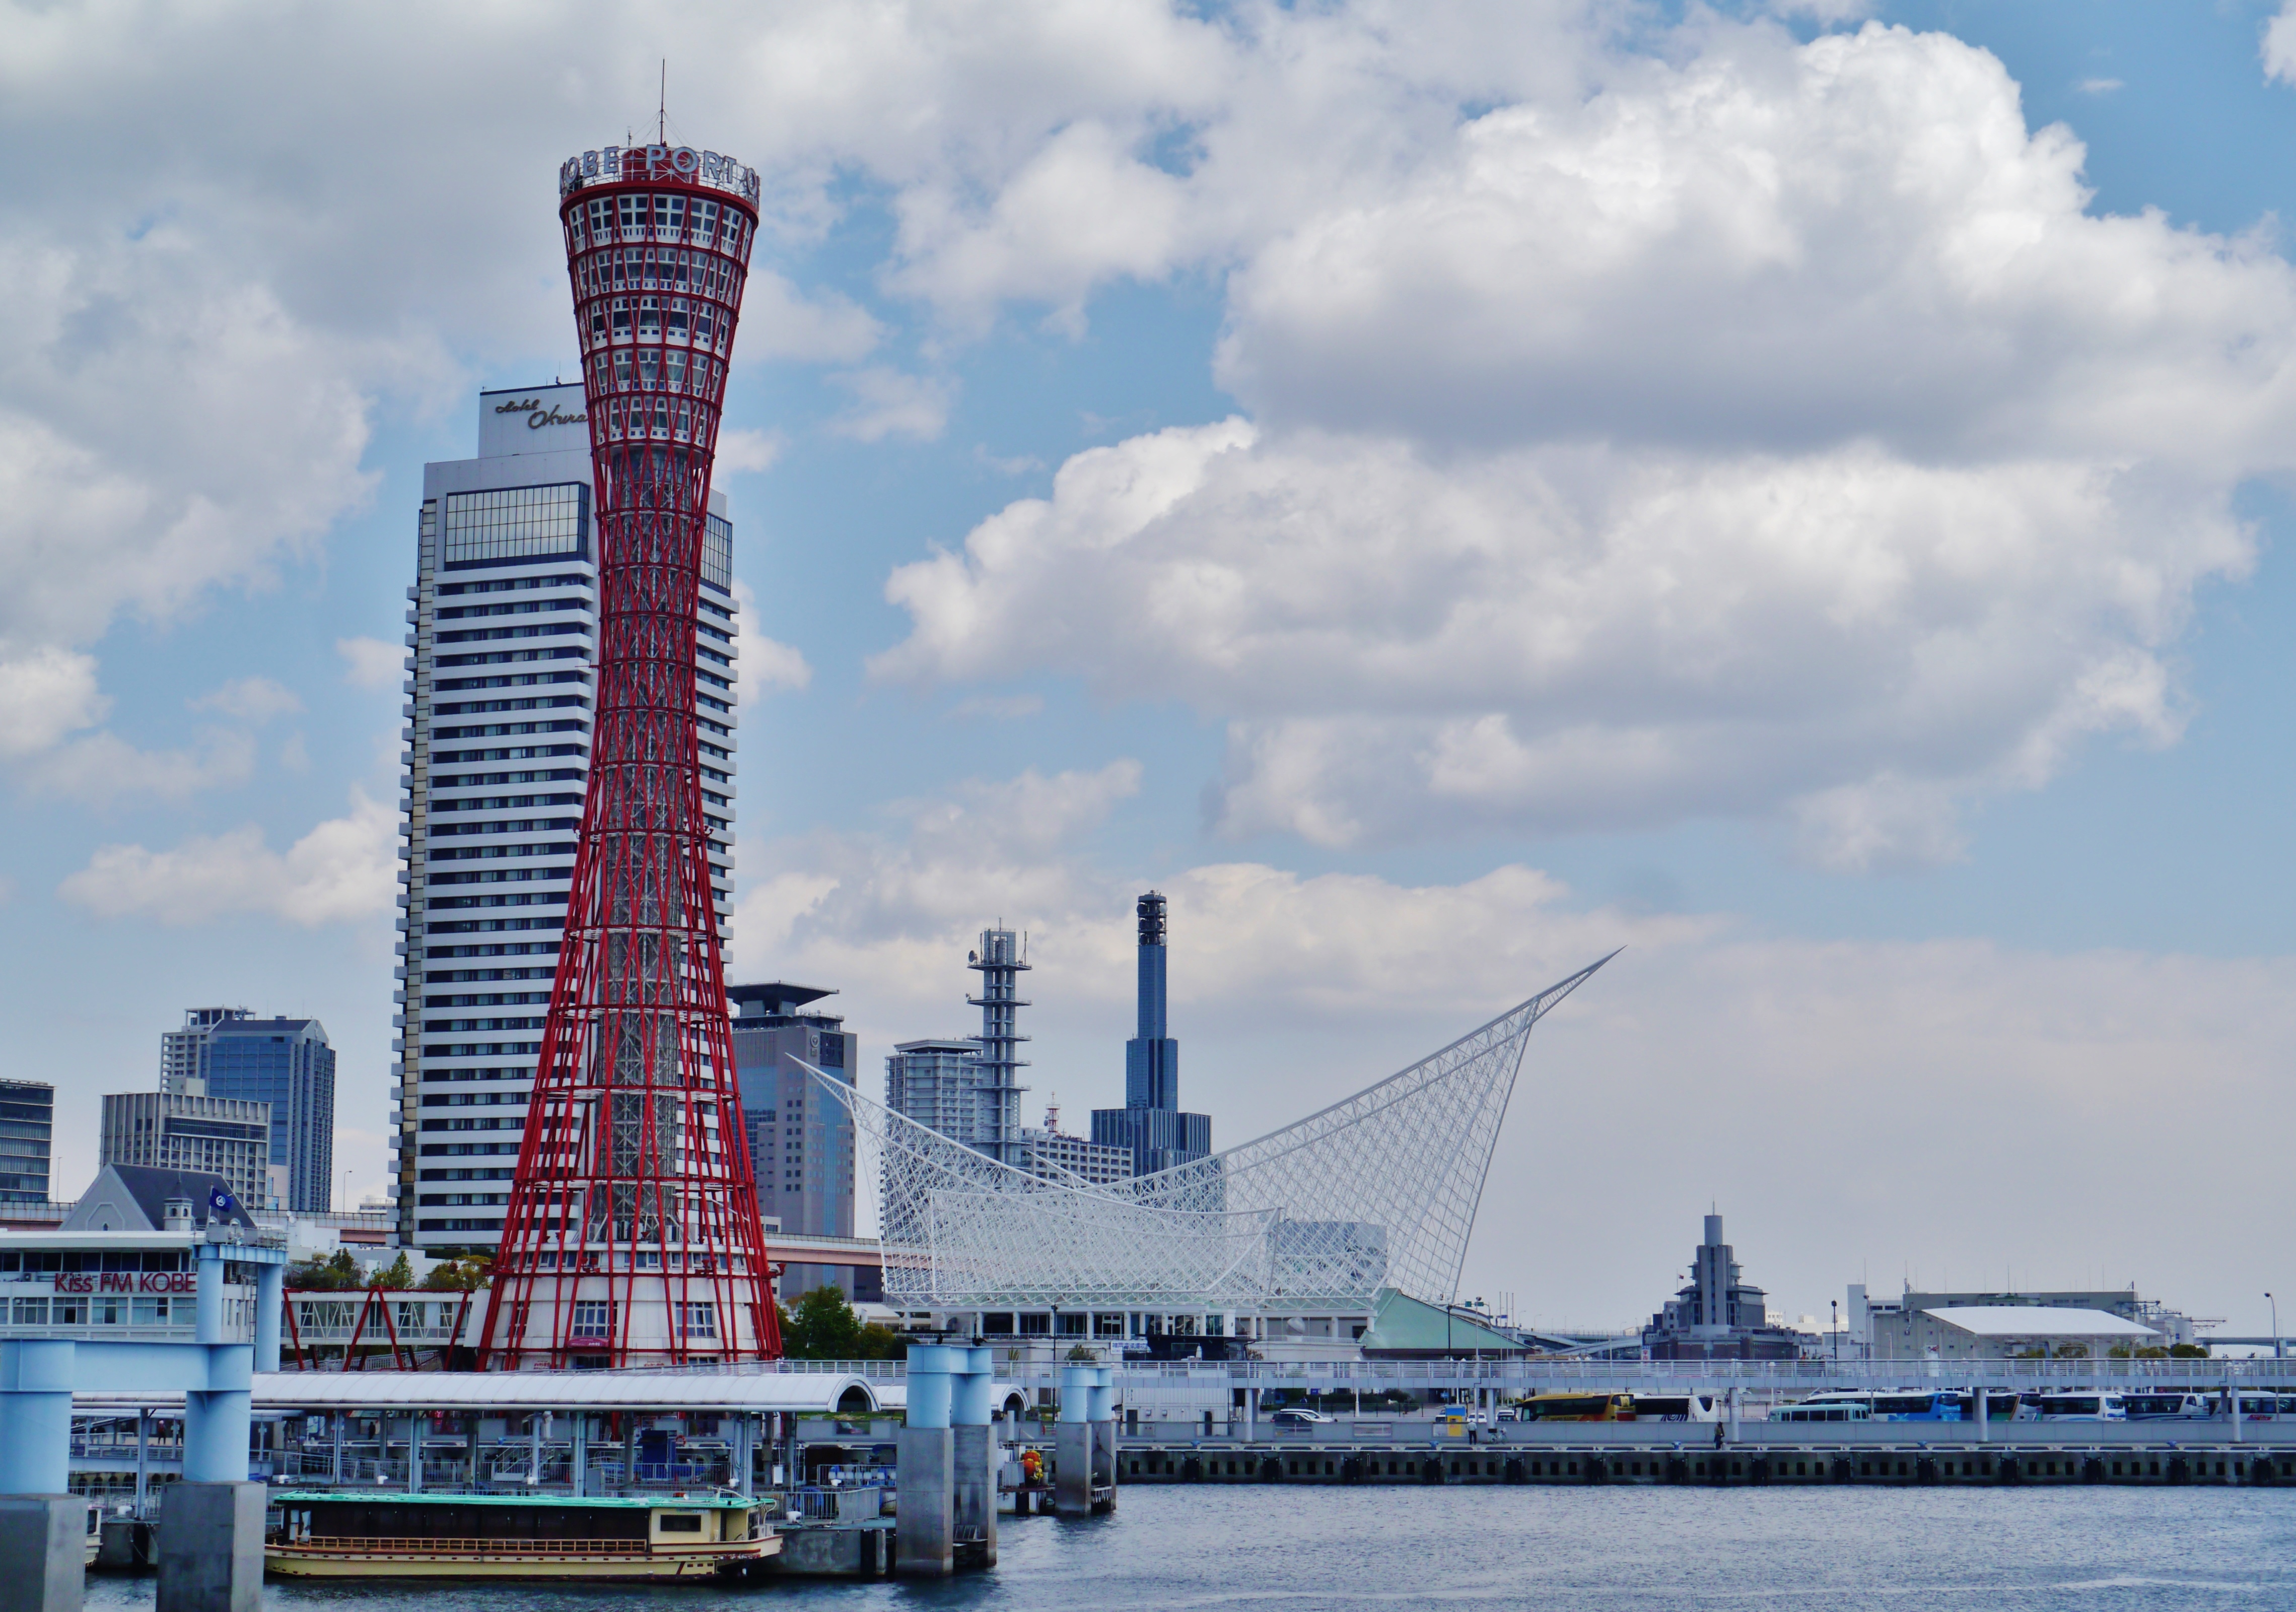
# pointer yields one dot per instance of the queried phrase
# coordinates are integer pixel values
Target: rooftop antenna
(662, 113)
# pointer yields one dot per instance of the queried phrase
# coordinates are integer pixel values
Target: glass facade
(288, 1063)
(28, 1110)
(505, 525)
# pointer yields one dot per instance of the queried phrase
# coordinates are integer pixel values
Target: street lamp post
(2275, 1302)
(1834, 1305)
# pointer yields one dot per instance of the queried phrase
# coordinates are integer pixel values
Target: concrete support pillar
(535, 1424)
(973, 1454)
(924, 1529)
(43, 1544)
(212, 1547)
(1736, 1425)
(144, 1460)
(270, 1287)
(2231, 1393)
(415, 1452)
(36, 1384)
(1099, 1416)
(1073, 1448)
(742, 1447)
(207, 1294)
(581, 1439)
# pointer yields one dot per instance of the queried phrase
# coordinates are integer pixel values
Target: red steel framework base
(631, 1236)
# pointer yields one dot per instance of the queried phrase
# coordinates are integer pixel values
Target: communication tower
(632, 1235)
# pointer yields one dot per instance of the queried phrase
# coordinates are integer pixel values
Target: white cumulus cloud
(343, 870)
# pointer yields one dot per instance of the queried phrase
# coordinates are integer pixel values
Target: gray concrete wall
(43, 1541)
(924, 1530)
(211, 1548)
(974, 1491)
(1072, 1468)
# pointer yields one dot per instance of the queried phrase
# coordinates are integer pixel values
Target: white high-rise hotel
(501, 630)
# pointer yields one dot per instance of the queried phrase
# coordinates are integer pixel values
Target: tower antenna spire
(661, 112)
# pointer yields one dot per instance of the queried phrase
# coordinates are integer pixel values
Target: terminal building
(501, 624)
(2007, 1326)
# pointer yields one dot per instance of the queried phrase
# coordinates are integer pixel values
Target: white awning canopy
(806, 1393)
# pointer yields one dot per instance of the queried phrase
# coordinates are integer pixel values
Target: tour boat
(337, 1533)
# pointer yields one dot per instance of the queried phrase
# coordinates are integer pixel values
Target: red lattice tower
(631, 1236)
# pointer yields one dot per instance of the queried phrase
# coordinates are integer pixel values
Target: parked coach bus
(1577, 1408)
(1677, 1408)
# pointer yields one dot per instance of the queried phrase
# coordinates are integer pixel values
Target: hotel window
(650, 318)
(705, 221)
(515, 523)
(634, 217)
(669, 216)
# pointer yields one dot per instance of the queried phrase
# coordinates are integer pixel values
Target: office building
(800, 1136)
(937, 1082)
(1151, 1125)
(1718, 1315)
(287, 1063)
(502, 621)
(1056, 1155)
(182, 1053)
(191, 1131)
(28, 1113)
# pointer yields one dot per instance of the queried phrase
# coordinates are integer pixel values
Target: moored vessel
(334, 1534)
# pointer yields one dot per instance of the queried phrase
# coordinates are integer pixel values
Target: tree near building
(822, 1325)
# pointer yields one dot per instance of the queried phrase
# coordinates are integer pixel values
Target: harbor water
(1559, 1549)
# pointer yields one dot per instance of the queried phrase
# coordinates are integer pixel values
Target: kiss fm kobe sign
(537, 419)
(127, 1281)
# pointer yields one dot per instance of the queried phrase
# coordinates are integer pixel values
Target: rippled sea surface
(2098, 1550)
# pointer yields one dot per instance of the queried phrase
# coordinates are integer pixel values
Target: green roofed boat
(337, 1533)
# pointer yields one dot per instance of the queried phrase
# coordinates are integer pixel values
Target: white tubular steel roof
(2038, 1320)
(1378, 1191)
(806, 1393)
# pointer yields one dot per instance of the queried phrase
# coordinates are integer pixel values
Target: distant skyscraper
(937, 1082)
(1151, 1125)
(800, 1136)
(1056, 1155)
(288, 1063)
(502, 625)
(1000, 962)
(28, 1110)
(182, 1053)
(189, 1131)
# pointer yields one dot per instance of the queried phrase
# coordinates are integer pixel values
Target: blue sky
(1702, 482)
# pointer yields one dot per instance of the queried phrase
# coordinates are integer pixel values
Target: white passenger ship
(337, 1534)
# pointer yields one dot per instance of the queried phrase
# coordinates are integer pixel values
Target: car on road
(1300, 1416)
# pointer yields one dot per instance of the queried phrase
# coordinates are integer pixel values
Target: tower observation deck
(632, 1235)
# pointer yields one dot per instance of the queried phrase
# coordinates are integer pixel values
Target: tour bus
(2093, 1407)
(1577, 1408)
(1677, 1408)
(2169, 1405)
(1898, 1404)
(1826, 1411)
